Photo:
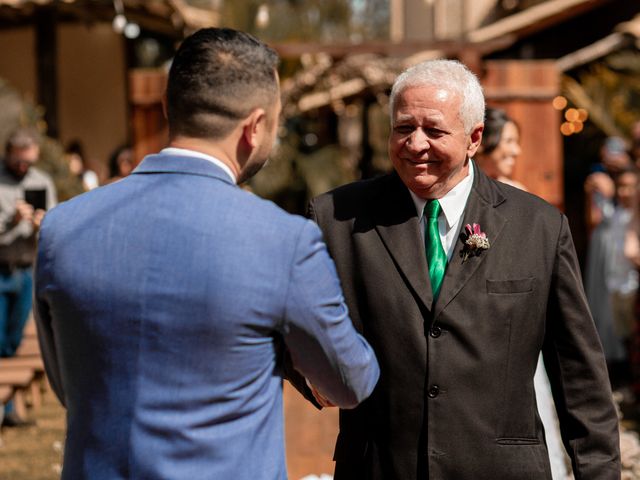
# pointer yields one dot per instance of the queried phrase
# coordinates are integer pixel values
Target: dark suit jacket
(455, 398)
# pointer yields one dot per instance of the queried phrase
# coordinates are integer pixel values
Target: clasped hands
(321, 399)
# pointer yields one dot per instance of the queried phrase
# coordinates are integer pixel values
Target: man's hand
(321, 399)
(24, 211)
(38, 215)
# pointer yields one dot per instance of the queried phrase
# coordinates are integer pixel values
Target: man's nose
(417, 141)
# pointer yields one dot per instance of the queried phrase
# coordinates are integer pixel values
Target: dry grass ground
(35, 453)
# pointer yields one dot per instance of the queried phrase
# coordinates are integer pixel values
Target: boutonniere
(475, 242)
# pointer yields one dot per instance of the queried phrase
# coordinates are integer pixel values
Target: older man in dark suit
(458, 282)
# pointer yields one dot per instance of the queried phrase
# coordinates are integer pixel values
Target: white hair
(450, 75)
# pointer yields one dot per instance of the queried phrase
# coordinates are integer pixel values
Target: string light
(559, 102)
(120, 23)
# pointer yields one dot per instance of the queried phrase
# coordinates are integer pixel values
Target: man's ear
(252, 126)
(475, 139)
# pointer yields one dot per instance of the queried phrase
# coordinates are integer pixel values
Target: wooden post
(525, 89)
(46, 66)
(150, 130)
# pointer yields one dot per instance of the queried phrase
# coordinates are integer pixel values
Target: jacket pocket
(506, 287)
(517, 441)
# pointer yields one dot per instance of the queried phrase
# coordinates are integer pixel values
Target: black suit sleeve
(577, 372)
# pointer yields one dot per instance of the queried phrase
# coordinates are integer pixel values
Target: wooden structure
(22, 377)
(526, 89)
(149, 127)
(71, 59)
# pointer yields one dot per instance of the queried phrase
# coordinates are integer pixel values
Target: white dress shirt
(183, 152)
(452, 209)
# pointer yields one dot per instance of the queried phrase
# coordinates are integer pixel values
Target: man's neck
(219, 150)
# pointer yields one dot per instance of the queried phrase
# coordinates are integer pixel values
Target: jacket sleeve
(324, 346)
(578, 373)
(43, 319)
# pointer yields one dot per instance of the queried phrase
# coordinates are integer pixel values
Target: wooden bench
(38, 384)
(21, 381)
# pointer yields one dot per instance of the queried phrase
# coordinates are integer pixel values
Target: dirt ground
(35, 453)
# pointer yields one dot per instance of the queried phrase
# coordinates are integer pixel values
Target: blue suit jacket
(164, 302)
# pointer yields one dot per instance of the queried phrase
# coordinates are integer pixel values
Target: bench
(21, 381)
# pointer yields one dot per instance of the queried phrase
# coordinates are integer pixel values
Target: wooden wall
(525, 90)
(150, 133)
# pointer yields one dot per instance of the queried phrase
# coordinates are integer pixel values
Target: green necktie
(436, 258)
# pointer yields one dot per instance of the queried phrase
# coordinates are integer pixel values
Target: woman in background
(500, 147)
(497, 158)
(120, 163)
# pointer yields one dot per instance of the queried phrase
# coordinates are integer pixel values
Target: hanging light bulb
(262, 17)
(119, 22)
(132, 30)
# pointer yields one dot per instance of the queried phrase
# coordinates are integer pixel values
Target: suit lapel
(396, 221)
(480, 209)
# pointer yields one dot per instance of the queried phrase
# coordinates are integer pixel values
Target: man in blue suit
(166, 301)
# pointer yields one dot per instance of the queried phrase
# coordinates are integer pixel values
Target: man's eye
(434, 132)
(403, 129)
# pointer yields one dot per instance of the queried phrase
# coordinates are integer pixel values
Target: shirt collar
(183, 152)
(453, 202)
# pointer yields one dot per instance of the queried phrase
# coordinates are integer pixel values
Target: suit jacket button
(434, 391)
(435, 331)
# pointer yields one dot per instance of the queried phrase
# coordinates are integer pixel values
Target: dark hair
(75, 146)
(217, 77)
(114, 163)
(22, 138)
(494, 121)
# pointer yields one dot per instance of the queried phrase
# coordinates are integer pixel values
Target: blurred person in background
(121, 163)
(500, 147)
(599, 186)
(497, 157)
(77, 161)
(25, 194)
(609, 191)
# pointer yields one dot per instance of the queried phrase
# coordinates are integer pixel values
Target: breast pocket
(510, 287)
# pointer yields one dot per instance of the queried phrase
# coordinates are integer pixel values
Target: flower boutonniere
(475, 242)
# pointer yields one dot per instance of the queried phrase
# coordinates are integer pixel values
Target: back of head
(494, 121)
(450, 75)
(217, 77)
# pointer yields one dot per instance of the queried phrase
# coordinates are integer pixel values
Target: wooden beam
(591, 52)
(338, 50)
(46, 66)
(533, 18)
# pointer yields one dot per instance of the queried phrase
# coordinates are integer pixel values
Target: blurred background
(90, 74)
